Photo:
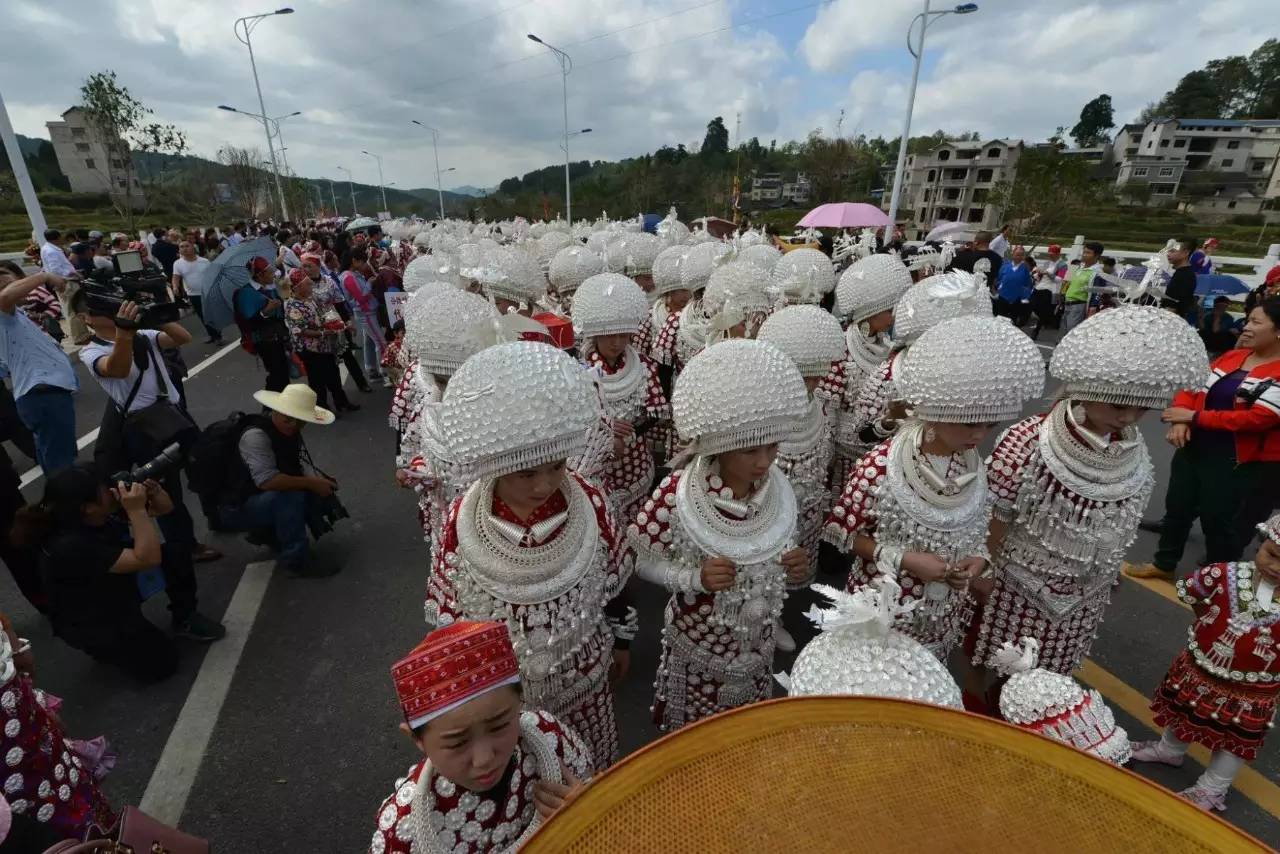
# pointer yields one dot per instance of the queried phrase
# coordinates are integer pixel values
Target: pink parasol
(845, 215)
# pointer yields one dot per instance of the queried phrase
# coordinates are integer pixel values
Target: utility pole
(29, 199)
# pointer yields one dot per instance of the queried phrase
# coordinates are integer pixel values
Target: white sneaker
(1206, 798)
(783, 639)
(1156, 751)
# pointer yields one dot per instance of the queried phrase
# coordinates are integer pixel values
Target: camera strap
(143, 363)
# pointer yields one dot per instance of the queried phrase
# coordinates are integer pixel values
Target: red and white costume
(813, 340)
(44, 777)
(888, 499)
(430, 813)
(631, 393)
(439, 816)
(717, 648)
(1072, 502)
(842, 385)
(1221, 691)
(909, 500)
(548, 579)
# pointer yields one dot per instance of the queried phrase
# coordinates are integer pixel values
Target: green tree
(122, 123)
(1096, 118)
(1048, 189)
(717, 139)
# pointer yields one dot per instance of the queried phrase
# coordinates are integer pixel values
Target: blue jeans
(51, 417)
(369, 347)
(283, 513)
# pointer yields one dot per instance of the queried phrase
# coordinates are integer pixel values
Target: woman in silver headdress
(916, 507)
(530, 543)
(608, 309)
(719, 532)
(1070, 486)
(879, 408)
(865, 298)
(440, 334)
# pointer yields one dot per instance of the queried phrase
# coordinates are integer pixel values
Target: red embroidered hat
(453, 664)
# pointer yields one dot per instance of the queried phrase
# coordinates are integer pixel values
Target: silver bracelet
(888, 559)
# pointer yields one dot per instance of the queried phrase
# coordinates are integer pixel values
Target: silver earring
(929, 435)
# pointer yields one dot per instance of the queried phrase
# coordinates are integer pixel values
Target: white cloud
(1042, 63)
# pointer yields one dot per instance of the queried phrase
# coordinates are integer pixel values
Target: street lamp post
(352, 185)
(382, 188)
(435, 144)
(333, 196)
(566, 65)
(247, 24)
(925, 18)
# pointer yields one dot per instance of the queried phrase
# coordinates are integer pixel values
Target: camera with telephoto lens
(155, 469)
(323, 513)
(129, 280)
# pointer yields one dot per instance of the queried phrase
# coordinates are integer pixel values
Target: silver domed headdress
(637, 251)
(441, 328)
(871, 285)
(1132, 355)
(608, 304)
(858, 652)
(762, 255)
(971, 370)
(666, 271)
(811, 337)
(572, 266)
(736, 292)
(515, 406)
(513, 274)
(700, 261)
(805, 275)
(942, 297)
(716, 411)
(1056, 706)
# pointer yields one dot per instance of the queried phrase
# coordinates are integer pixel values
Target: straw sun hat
(297, 401)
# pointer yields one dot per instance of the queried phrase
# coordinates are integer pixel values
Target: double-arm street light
(435, 144)
(382, 188)
(352, 185)
(566, 65)
(247, 25)
(925, 18)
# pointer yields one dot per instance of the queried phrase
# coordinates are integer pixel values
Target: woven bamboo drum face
(851, 774)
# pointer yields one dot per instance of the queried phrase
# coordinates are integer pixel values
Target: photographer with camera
(143, 417)
(260, 316)
(265, 487)
(43, 379)
(93, 540)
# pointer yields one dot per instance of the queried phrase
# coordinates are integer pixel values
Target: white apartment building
(772, 188)
(91, 165)
(952, 182)
(1164, 153)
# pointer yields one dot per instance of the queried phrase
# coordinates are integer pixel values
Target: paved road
(306, 743)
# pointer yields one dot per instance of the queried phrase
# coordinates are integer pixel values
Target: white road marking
(166, 796)
(35, 473)
(1048, 347)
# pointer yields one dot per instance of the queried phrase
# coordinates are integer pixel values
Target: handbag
(162, 423)
(137, 833)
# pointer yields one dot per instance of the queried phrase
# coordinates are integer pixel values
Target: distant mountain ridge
(468, 190)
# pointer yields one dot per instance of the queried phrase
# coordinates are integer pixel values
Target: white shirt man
(53, 259)
(156, 382)
(1000, 244)
(192, 273)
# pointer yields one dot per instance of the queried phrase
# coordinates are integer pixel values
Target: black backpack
(214, 458)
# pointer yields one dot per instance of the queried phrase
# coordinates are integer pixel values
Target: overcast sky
(647, 72)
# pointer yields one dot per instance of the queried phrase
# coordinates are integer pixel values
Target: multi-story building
(1238, 157)
(953, 181)
(796, 192)
(91, 164)
(766, 187)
